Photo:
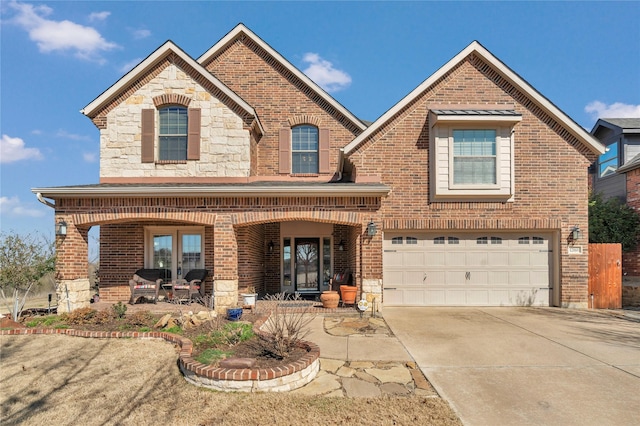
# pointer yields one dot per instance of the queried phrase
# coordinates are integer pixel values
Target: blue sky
(57, 56)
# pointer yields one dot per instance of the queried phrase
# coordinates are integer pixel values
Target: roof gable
(241, 31)
(505, 72)
(619, 125)
(113, 93)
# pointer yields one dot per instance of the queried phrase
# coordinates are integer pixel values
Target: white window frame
(441, 156)
(452, 156)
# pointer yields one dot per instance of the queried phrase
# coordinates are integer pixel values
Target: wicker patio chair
(146, 283)
(192, 284)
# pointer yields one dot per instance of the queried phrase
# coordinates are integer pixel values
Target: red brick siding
(631, 260)
(241, 230)
(277, 96)
(551, 179)
(251, 257)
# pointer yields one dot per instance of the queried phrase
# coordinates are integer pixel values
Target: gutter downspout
(45, 202)
(340, 164)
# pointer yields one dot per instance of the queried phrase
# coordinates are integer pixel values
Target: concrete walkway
(361, 358)
(527, 366)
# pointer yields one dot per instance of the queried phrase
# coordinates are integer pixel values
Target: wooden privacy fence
(605, 276)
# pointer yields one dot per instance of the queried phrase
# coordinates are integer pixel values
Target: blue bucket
(234, 314)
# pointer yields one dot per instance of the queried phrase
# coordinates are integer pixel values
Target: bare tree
(25, 261)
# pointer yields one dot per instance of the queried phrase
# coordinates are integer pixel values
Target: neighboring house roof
(241, 30)
(143, 67)
(621, 125)
(632, 164)
(253, 189)
(476, 48)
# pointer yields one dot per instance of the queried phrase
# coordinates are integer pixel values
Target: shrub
(119, 309)
(285, 328)
(79, 316)
(140, 319)
(611, 221)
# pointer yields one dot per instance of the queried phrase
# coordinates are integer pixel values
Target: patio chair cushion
(144, 286)
(185, 287)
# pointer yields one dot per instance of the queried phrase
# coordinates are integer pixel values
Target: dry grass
(65, 380)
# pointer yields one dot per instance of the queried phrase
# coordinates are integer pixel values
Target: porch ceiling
(255, 189)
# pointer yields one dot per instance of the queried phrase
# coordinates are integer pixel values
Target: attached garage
(465, 269)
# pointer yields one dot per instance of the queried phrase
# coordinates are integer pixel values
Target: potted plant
(249, 298)
(234, 314)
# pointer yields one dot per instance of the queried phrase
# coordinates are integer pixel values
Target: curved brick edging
(278, 379)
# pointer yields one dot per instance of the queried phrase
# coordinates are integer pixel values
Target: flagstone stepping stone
(394, 374)
(356, 388)
(320, 385)
(394, 389)
(330, 365)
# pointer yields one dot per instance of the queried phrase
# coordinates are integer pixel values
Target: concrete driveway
(527, 366)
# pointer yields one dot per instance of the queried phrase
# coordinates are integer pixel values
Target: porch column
(372, 265)
(225, 264)
(72, 267)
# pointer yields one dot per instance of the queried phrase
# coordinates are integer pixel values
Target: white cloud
(99, 16)
(125, 68)
(13, 149)
(89, 157)
(14, 207)
(324, 74)
(140, 34)
(599, 109)
(50, 36)
(73, 136)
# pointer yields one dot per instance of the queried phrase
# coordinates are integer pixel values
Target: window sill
(171, 161)
(304, 174)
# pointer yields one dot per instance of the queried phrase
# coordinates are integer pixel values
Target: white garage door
(488, 269)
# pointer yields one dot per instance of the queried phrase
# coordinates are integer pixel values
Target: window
(412, 240)
(178, 250)
(482, 240)
(523, 240)
(438, 240)
(496, 240)
(453, 240)
(538, 240)
(396, 240)
(474, 157)
(173, 133)
(304, 149)
(608, 162)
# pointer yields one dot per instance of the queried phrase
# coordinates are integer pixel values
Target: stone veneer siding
(550, 166)
(225, 145)
(280, 379)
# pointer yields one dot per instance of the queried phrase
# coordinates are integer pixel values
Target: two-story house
(616, 173)
(472, 190)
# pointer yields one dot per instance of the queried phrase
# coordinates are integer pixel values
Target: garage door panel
(454, 269)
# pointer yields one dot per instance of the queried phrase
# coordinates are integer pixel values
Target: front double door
(307, 265)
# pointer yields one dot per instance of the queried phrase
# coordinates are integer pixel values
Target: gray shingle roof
(625, 123)
(507, 112)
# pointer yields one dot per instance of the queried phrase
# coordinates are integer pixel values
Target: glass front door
(177, 250)
(307, 264)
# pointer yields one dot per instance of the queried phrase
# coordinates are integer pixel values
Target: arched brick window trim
(284, 152)
(149, 126)
(171, 99)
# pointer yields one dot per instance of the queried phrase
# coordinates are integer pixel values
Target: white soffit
(475, 47)
(241, 28)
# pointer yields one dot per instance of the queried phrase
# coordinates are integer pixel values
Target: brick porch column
(72, 267)
(225, 264)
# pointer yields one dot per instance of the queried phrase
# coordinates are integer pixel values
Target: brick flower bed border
(284, 378)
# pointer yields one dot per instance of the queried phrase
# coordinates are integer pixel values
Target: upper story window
(474, 157)
(304, 149)
(608, 162)
(471, 153)
(172, 134)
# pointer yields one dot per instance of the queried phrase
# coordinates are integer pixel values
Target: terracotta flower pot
(348, 293)
(330, 299)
